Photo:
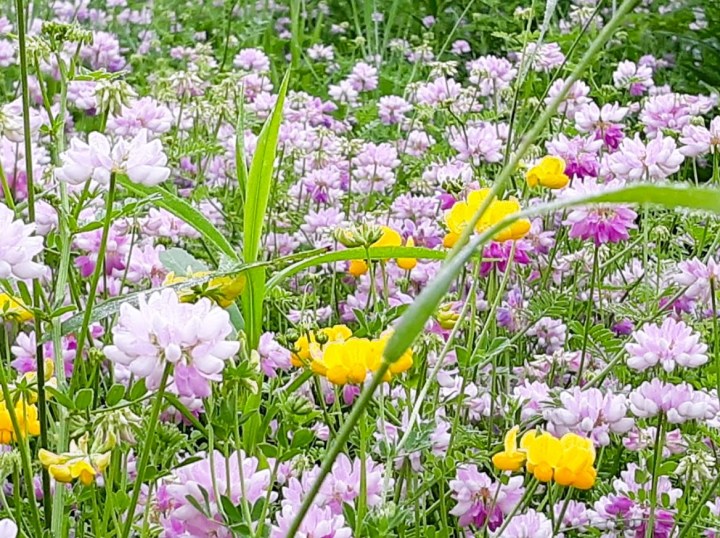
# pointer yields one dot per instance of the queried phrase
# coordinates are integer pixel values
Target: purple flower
(531, 524)
(273, 356)
(392, 109)
(680, 403)
(605, 122)
(671, 344)
(662, 112)
(545, 58)
(580, 154)
(318, 523)
(576, 98)
(253, 60)
(635, 78)
(164, 330)
(460, 47)
(364, 77)
(479, 498)
(634, 160)
(600, 223)
(550, 334)
(143, 113)
(477, 144)
(696, 276)
(342, 486)
(205, 479)
(491, 74)
(589, 413)
(698, 140)
(142, 161)
(18, 247)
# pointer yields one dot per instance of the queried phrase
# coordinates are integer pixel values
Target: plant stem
(716, 335)
(147, 449)
(588, 314)
(659, 442)
(337, 447)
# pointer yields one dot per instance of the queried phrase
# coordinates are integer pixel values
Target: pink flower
(18, 247)
(364, 77)
(477, 144)
(479, 498)
(698, 140)
(671, 344)
(601, 223)
(253, 60)
(143, 113)
(680, 403)
(318, 523)
(531, 524)
(546, 58)
(202, 481)
(142, 161)
(576, 98)
(636, 78)
(273, 356)
(696, 276)
(162, 330)
(605, 122)
(634, 160)
(491, 74)
(664, 112)
(392, 109)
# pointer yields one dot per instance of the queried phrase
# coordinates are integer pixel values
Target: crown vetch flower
(18, 247)
(162, 329)
(671, 344)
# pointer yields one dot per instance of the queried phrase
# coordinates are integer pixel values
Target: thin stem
(147, 449)
(588, 314)
(659, 442)
(716, 335)
(99, 266)
(343, 435)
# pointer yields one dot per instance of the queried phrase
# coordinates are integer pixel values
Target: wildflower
(8, 528)
(18, 247)
(162, 330)
(550, 334)
(543, 452)
(223, 290)
(403, 364)
(510, 459)
(636, 78)
(530, 524)
(408, 263)
(462, 212)
(27, 418)
(679, 403)
(273, 356)
(634, 160)
(80, 462)
(549, 172)
(142, 161)
(575, 466)
(699, 140)
(344, 362)
(309, 345)
(671, 344)
(317, 522)
(254, 60)
(664, 112)
(14, 309)
(388, 238)
(480, 500)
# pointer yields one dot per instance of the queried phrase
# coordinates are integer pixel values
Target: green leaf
(138, 390)
(259, 183)
(181, 209)
(358, 253)
(60, 397)
(180, 261)
(115, 394)
(302, 438)
(413, 320)
(83, 399)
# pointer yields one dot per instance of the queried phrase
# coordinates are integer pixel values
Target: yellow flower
(14, 309)
(460, 215)
(407, 263)
(388, 238)
(345, 362)
(575, 467)
(27, 417)
(403, 364)
(549, 172)
(306, 347)
(510, 459)
(224, 290)
(77, 463)
(543, 452)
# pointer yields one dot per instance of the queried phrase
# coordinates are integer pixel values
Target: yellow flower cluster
(389, 238)
(343, 359)
(78, 463)
(27, 417)
(549, 172)
(568, 461)
(460, 215)
(14, 309)
(224, 290)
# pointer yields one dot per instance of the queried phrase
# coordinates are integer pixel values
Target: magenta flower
(667, 111)
(599, 223)
(671, 344)
(161, 330)
(635, 78)
(605, 122)
(480, 499)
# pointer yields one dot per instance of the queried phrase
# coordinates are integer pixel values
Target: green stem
(716, 335)
(147, 449)
(659, 442)
(588, 314)
(343, 435)
(99, 266)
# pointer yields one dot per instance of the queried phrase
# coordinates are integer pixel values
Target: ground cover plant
(376, 269)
